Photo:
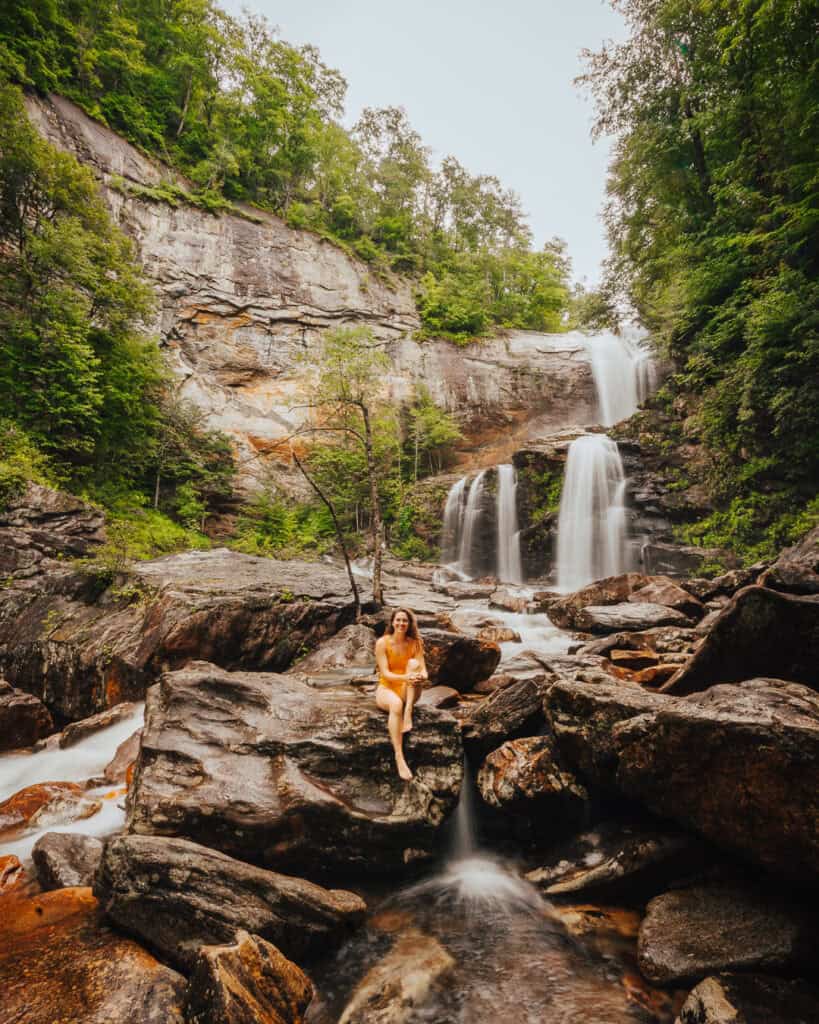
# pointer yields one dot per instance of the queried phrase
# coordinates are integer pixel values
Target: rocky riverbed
(634, 838)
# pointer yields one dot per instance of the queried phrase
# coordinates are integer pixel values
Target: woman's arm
(419, 657)
(383, 665)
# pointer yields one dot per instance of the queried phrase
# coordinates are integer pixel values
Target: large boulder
(178, 896)
(611, 590)
(270, 769)
(24, 718)
(688, 933)
(525, 778)
(45, 804)
(582, 713)
(457, 660)
(630, 601)
(513, 711)
(630, 615)
(664, 591)
(60, 962)
(81, 651)
(352, 647)
(738, 764)
(246, 982)
(729, 998)
(65, 859)
(759, 632)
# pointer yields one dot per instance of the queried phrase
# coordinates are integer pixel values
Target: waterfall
(472, 514)
(453, 522)
(510, 569)
(623, 373)
(591, 532)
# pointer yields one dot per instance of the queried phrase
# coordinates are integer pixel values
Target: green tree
(432, 432)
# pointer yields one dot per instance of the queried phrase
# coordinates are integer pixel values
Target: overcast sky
(489, 82)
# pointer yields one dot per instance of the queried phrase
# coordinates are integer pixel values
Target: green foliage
(247, 116)
(431, 434)
(713, 218)
(21, 462)
(275, 525)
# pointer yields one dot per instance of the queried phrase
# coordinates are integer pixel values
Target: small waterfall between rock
(623, 371)
(591, 532)
(467, 520)
(509, 567)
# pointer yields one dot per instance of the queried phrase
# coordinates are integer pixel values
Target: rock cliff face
(241, 297)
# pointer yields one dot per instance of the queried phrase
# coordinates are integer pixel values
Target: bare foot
(403, 769)
(407, 726)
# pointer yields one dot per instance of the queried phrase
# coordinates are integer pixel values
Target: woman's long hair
(412, 628)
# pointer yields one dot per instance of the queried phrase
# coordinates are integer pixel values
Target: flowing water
(623, 372)
(471, 517)
(453, 522)
(79, 763)
(591, 531)
(509, 567)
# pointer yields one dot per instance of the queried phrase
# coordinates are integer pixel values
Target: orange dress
(397, 662)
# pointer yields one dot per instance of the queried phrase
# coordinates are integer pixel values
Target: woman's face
(400, 623)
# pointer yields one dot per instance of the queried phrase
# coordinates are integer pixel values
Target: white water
(509, 566)
(79, 763)
(471, 516)
(591, 532)
(623, 371)
(453, 522)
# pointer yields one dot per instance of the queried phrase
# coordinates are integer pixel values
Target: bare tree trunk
(339, 534)
(375, 524)
(156, 491)
(185, 106)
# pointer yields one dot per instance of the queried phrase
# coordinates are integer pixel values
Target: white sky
(489, 82)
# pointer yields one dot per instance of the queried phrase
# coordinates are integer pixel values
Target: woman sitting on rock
(400, 658)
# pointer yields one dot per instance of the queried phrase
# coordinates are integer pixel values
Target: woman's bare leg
(392, 703)
(412, 695)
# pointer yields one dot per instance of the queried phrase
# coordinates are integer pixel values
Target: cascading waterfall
(509, 566)
(472, 514)
(453, 522)
(623, 371)
(591, 532)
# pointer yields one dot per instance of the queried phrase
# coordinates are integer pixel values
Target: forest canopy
(248, 117)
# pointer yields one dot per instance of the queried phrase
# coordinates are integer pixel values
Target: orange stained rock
(391, 920)
(12, 875)
(17, 811)
(59, 962)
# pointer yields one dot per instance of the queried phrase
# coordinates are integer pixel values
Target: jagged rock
(635, 659)
(611, 590)
(396, 987)
(797, 568)
(582, 715)
(438, 697)
(525, 777)
(246, 982)
(178, 896)
(627, 616)
(465, 591)
(751, 999)
(12, 875)
(77, 731)
(352, 646)
(508, 601)
(500, 680)
(63, 859)
(663, 640)
(44, 804)
(760, 632)
(499, 635)
(679, 560)
(270, 769)
(515, 710)
(118, 768)
(664, 591)
(689, 933)
(618, 858)
(458, 661)
(739, 764)
(23, 718)
(60, 962)
(81, 652)
(41, 525)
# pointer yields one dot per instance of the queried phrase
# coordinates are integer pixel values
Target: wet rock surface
(524, 777)
(401, 983)
(796, 570)
(247, 982)
(23, 718)
(177, 896)
(620, 859)
(77, 731)
(759, 632)
(65, 860)
(513, 711)
(751, 999)
(459, 661)
(739, 764)
(630, 615)
(689, 933)
(42, 804)
(270, 769)
(60, 961)
(352, 647)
